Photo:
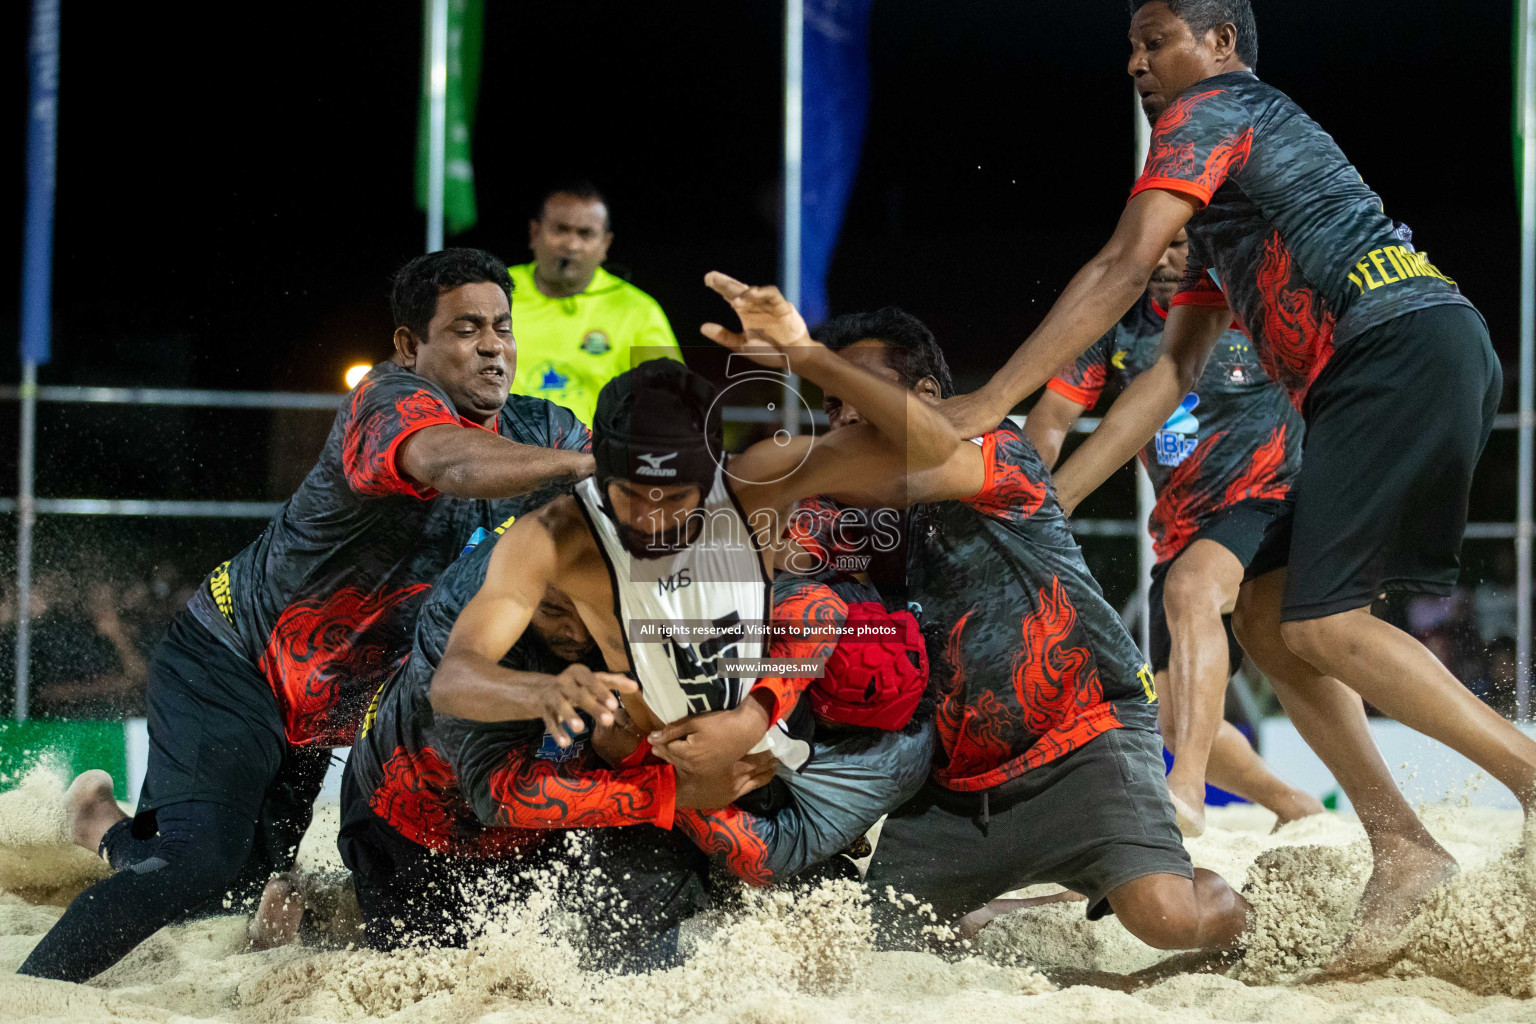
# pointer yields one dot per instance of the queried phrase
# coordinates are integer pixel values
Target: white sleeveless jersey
(718, 579)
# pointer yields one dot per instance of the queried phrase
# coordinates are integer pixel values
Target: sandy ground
(1471, 956)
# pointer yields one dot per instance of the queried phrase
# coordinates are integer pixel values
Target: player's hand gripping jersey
(1031, 661)
(324, 601)
(1235, 438)
(1290, 237)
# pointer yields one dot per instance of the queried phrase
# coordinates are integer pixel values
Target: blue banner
(836, 100)
(42, 144)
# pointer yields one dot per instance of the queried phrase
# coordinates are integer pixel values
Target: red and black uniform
(273, 662)
(421, 784)
(855, 775)
(1048, 768)
(1223, 462)
(1389, 364)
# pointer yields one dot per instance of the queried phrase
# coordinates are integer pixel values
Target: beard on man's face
(657, 543)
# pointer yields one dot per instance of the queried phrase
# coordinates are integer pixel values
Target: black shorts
(1239, 528)
(1396, 424)
(1091, 821)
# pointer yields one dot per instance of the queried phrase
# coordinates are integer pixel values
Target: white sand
(1470, 956)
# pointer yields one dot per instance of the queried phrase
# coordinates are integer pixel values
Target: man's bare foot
(91, 808)
(1294, 806)
(1405, 874)
(1188, 808)
(277, 918)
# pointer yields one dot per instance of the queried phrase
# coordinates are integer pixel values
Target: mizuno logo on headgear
(653, 465)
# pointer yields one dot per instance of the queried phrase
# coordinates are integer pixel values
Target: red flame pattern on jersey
(1297, 337)
(1060, 703)
(1258, 480)
(368, 451)
(1179, 161)
(531, 792)
(327, 655)
(1180, 503)
(1053, 679)
(1009, 493)
(731, 834)
(418, 795)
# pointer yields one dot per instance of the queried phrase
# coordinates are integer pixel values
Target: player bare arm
(900, 432)
(1146, 404)
(470, 682)
(1097, 296)
(468, 462)
(1049, 422)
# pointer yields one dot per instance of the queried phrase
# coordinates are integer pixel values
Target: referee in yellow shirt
(576, 324)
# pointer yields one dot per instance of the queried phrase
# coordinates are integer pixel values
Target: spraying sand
(788, 958)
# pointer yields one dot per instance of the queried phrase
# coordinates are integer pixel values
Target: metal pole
(1145, 497)
(26, 519)
(437, 125)
(789, 254)
(36, 300)
(1527, 78)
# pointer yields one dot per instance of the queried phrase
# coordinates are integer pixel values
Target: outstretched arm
(1098, 296)
(468, 462)
(471, 683)
(1146, 404)
(901, 432)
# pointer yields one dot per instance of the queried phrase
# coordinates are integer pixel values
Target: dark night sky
(235, 189)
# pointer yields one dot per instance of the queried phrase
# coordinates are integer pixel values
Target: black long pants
(225, 804)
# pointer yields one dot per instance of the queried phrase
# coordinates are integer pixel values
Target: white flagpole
(1145, 498)
(437, 123)
(1527, 79)
(789, 255)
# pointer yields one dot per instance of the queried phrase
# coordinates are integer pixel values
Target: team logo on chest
(1236, 365)
(596, 343)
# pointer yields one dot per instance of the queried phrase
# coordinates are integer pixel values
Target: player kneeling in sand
(1049, 767)
(664, 536)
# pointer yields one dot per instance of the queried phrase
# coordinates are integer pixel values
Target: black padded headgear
(658, 423)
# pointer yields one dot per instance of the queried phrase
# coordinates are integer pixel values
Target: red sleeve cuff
(1211, 299)
(407, 485)
(1082, 396)
(637, 756)
(1188, 188)
(988, 468)
(665, 787)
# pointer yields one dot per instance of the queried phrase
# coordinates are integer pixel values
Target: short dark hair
(1203, 15)
(578, 188)
(413, 297)
(898, 329)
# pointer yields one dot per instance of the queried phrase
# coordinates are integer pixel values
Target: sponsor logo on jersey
(653, 465)
(549, 750)
(1179, 435)
(552, 379)
(596, 343)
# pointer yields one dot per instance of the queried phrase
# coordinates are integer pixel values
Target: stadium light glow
(355, 373)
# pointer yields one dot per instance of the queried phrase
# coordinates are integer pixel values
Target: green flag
(465, 20)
